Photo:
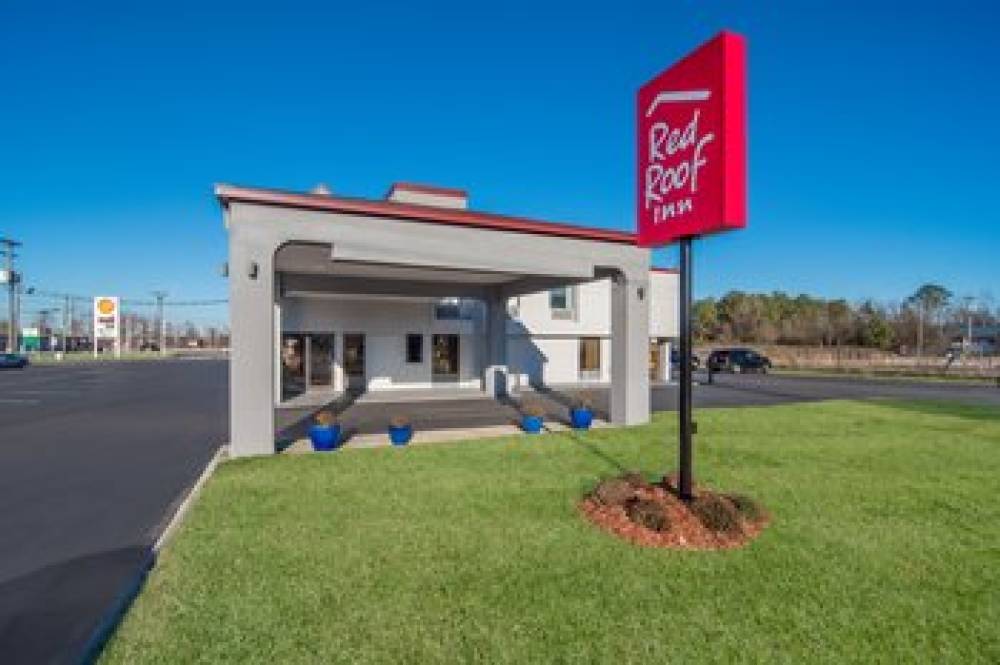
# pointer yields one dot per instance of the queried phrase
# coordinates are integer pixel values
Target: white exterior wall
(545, 349)
(540, 348)
(385, 323)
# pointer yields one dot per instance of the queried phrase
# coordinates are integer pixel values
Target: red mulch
(686, 531)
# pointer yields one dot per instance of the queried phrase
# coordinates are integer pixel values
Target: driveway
(365, 416)
(92, 458)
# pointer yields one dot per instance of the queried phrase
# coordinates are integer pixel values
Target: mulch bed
(684, 529)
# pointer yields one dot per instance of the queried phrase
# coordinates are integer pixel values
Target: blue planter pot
(325, 437)
(581, 418)
(400, 436)
(531, 424)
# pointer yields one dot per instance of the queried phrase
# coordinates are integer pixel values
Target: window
(562, 302)
(590, 358)
(559, 298)
(448, 309)
(415, 349)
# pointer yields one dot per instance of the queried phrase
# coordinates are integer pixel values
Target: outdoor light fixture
(642, 293)
(254, 269)
(224, 269)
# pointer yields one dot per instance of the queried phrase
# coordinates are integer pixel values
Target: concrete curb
(221, 453)
(130, 591)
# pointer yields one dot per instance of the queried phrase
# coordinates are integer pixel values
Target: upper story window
(561, 302)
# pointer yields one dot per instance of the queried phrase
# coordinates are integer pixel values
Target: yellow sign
(106, 306)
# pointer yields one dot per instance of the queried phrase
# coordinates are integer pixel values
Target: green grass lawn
(884, 546)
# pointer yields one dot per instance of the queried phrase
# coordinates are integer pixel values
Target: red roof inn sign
(692, 145)
(692, 178)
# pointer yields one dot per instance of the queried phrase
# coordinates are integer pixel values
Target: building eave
(228, 194)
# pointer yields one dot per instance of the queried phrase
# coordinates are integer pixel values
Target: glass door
(293, 365)
(354, 361)
(320, 360)
(444, 364)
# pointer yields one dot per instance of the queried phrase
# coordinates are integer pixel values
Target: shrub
(746, 506)
(635, 479)
(648, 513)
(583, 399)
(533, 409)
(399, 421)
(613, 492)
(716, 513)
(325, 419)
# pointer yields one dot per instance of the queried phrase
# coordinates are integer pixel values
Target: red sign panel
(692, 145)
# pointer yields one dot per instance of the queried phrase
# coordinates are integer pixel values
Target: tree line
(925, 322)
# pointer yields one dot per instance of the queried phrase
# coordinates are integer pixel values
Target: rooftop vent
(321, 189)
(428, 195)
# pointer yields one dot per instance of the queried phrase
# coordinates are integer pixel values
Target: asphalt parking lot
(92, 457)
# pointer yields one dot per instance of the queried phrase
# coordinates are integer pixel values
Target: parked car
(675, 359)
(13, 361)
(738, 360)
(149, 346)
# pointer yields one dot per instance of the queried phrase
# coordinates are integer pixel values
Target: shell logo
(106, 306)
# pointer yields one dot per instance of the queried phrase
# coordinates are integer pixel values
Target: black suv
(738, 360)
(675, 358)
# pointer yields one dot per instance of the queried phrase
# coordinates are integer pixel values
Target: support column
(277, 352)
(630, 349)
(251, 366)
(663, 371)
(495, 370)
(338, 362)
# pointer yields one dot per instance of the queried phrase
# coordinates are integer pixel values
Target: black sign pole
(684, 409)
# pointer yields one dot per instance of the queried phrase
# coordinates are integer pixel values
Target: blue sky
(872, 129)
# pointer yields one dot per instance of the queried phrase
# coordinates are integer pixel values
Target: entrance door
(293, 365)
(655, 358)
(320, 359)
(354, 361)
(444, 363)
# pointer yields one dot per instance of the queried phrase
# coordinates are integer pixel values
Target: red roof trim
(428, 189)
(395, 210)
(670, 271)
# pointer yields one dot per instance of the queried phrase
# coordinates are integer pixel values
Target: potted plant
(325, 432)
(581, 414)
(531, 418)
(400, 430)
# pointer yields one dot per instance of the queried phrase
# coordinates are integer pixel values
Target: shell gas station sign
(106, 318)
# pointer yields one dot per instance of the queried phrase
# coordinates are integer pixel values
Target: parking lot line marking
(5, 400)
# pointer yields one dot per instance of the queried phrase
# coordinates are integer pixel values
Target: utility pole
(65, 326)
(160, 295)
(8, 249)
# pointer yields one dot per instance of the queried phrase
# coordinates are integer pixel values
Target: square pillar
(663, 371)
(252, 346)
(338, 362)
(630, 349)
(495, 370)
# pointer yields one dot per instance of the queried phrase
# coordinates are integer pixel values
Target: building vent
(321, 189)
(428, 195)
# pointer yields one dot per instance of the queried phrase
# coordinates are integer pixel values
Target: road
(92, 458)
(767, 389)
